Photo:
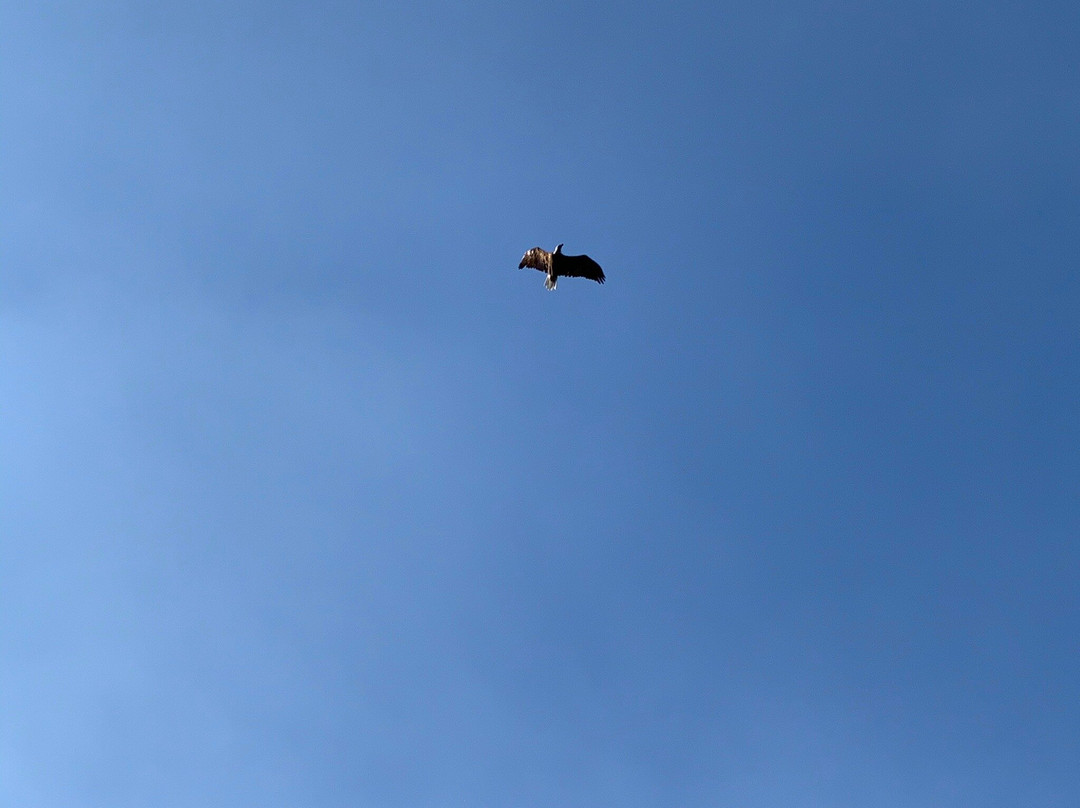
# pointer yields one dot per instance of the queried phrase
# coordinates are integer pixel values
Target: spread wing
(579, 266)
(537, 259)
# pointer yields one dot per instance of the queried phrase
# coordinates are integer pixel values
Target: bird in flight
(557, 265)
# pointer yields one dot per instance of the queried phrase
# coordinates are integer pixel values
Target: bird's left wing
(581, 266)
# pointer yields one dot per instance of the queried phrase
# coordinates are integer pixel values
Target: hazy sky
(309, 497)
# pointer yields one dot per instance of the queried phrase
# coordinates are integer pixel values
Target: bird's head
(558, 250)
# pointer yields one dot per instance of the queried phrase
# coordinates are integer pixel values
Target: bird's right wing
(536, 258)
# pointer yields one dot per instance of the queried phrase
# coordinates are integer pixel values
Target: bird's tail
(550, 282)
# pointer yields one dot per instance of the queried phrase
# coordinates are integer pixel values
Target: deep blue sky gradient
(309, 497)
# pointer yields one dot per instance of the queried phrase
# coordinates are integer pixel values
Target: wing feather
(579, 266)
(536, 258)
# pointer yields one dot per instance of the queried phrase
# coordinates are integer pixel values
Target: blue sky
(309, 497)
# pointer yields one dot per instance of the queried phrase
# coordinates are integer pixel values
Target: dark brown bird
(557, 265)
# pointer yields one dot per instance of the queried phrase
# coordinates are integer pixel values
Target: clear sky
(309, 497)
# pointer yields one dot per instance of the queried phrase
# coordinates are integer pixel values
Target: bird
(557, 265)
